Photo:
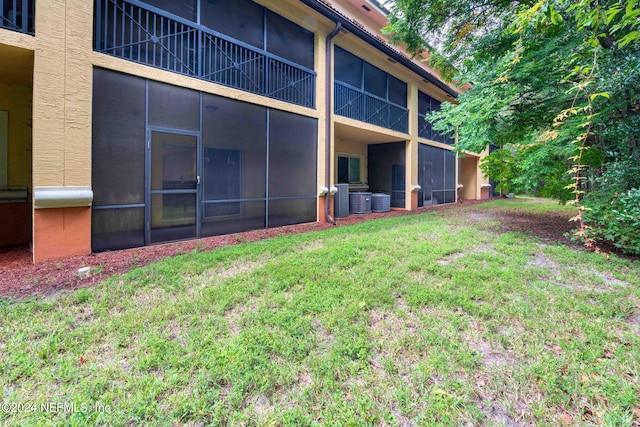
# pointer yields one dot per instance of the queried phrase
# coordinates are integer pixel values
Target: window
(349, 170)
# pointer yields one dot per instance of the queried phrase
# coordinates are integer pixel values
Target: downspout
(329, 109)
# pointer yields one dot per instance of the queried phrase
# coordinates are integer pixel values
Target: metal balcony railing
(359, 105)
(426, 131)
(141, 33)
(17, 15)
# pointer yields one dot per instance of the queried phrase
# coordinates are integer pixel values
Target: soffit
(16, 66)
(355, 134)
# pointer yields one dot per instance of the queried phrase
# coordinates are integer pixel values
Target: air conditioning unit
(359, 203)
(341, 201)
(380, 202)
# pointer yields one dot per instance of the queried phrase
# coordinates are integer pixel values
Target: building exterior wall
(469, 178)
(64, 60)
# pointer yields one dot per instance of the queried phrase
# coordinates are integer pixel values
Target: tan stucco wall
(62, 94)
(469, 178)
(17, 101)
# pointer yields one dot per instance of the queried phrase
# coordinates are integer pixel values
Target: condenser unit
(359, 203)
(380, 202)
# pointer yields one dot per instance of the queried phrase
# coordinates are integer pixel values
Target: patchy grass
(433, 319)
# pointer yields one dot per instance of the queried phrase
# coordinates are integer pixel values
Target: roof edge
(328, 12)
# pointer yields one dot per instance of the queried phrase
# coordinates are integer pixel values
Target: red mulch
(19, 278)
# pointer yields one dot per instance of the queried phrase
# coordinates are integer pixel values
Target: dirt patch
(490, 357)
(324, 337)
(608, 278)
(485, 248)
(550, 226)
(543, 261)
(234, 315)
(240, 267)
(498, 414)
(450, 258)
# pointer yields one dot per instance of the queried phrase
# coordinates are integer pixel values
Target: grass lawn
(430, 319)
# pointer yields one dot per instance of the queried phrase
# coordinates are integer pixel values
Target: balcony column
(411, 177)
(62, 129)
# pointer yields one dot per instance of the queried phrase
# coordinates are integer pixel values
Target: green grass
(431, 319)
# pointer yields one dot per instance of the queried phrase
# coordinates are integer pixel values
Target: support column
(62, 130)
(411, 198)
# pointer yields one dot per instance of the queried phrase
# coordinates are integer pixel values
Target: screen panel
(292, 211)
(375, 81)
(173, 107)
(187, 9)
(234, 136)
(437, 157)
(450, 170)
(240, 19)
(397, 91)
(424, 104)
(118, 138)
(292, 154)
(249, 215)
(289, 41)
(117, 228)
(348, 68)
(449, 196)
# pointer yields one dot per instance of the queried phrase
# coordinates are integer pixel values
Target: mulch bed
(19, 278)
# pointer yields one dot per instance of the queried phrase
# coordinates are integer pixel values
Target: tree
(555, 82)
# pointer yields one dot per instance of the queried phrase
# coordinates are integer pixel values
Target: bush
(616, 220)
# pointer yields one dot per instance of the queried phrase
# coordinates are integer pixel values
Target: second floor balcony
(17, 15)
(365, 107)
(366, 93)
(138, 32)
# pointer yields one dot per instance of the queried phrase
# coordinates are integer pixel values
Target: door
(173, 186)
(427, 184)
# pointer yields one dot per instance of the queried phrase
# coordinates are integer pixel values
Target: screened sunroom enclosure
(171, 163)
(236, 43)
(436, 175)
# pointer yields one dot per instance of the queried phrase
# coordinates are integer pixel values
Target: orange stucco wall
(321, 202)
(484, 193)
(61, 233)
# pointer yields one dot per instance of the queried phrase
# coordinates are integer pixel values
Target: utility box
(341, 201)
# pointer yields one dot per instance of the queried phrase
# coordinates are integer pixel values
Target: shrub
(616, 220)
